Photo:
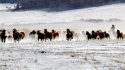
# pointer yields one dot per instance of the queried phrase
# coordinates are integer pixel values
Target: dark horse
(89, 36)
(69, 35)
(48, 35)
(17, 36)
(3, 36)
(107, 35)
(41, 36)
(119, 35)
(102, 35)
(32, 34)
(94, 35)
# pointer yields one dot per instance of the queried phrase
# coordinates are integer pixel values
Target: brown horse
(9, 36)
(94, 34)
(21, 35)
(54, 34)
(17, 36)
(100, 35)
(48, 35)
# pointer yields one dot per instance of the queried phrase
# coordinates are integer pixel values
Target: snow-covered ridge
(104, 12)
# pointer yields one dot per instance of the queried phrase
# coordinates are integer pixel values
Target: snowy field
(60, 54)
(85, 55)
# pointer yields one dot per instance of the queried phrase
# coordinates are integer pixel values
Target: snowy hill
(59, 5)
(115, 11)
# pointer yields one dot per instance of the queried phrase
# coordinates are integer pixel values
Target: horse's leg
(50, 39)
(42, 40)
(18, 40)
(4, 40)
(88, 37)
(67, 39)
(70, 39)
(14, 40)
(38, 39)
(122, 36)
(45, 39)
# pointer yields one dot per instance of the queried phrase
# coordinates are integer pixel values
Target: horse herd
(46, 35)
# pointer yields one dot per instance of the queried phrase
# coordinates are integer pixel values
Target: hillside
(65, 4)
(102, 12)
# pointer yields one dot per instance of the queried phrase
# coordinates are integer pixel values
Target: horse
(40, 36)
(69, 35)
(54, 34)
(119, 34)
(17, 36)
(3, 36)
(89, 36)
(48, 35)
(33, 33)
(100, 34)
(21, 35)
(107, 35)
(94, 35)
(9, 36)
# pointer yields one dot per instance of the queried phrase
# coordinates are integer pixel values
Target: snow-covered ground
(63, 56)
(78, 54)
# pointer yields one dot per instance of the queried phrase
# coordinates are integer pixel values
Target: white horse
(113, 32)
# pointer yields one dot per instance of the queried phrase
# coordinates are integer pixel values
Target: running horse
(3, 36)
(69, 35)
(17, 36)
(119, 34)
(9, 36)
(48, 35)
(41, 36)
(32, 34)
(54, 34)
